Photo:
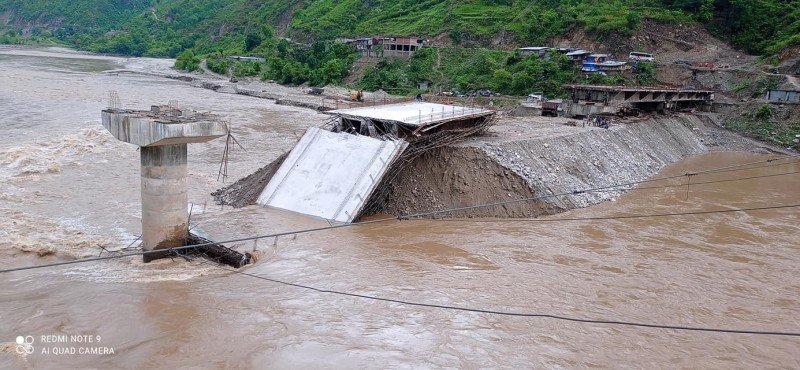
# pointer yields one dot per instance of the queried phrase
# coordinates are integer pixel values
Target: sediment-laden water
(67, 188)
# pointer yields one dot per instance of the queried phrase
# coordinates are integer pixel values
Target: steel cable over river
(175, 250)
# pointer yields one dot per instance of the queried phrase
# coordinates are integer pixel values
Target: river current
(69, 190)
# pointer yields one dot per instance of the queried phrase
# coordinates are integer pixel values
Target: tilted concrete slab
(330, 175)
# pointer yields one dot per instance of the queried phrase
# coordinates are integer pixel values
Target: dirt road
(794, 81)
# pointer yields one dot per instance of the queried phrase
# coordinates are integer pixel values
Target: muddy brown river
(67, 188)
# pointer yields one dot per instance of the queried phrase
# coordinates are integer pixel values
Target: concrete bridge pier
(162, 134)
(165, 218)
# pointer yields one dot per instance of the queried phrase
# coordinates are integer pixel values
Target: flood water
(67, 188)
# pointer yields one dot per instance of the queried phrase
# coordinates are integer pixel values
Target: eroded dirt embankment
(458, 176)
(499, 169)
(489, 171)
(246, 190)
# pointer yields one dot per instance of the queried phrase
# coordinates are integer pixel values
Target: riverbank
(333, 97)
(532, 157)
(520, 157)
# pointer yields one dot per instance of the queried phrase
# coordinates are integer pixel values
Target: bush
(187, 61)
(764, 112)
(645, 73)
(217, 64)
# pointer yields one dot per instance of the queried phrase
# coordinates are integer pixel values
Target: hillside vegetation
(476, 41)
(166, 27)
(506, 72)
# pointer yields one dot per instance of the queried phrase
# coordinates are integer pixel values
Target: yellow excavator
(357, 95)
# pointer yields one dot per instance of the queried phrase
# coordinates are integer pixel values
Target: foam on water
(24, 233)
(132, 269)
(50, 156)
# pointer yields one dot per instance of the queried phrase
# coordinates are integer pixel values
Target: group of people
(598, 121)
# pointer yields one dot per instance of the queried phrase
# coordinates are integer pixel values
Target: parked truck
(551, 107)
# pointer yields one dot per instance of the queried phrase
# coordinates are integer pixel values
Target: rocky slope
(533, 159)
(489, 171)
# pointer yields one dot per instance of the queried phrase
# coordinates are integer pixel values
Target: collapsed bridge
(342, 172)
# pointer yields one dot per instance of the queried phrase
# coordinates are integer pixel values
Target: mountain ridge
(166, 27)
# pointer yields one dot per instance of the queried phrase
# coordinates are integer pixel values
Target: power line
(402, 217)
(731, 168)
(624, 217)
(467, 309)
(521, 314)
(178, 249)
(745, 167)
(575, 192)
(718, 181)
(187, 247)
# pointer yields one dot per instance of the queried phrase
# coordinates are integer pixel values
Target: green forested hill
(54, 14)
(165, 27)
(141, 27)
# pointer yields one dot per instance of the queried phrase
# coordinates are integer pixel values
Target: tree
(455, 35)
(283, 48)
(187, 61)
(645, 73)
(502, 80)
(268, 32)
(333, 71)
(633, 20)
(251, 41)
(706, 13)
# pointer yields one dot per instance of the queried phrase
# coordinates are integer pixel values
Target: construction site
(416, 158)
(440, 155)
(346, 169)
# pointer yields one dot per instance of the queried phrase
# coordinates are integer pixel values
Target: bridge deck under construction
(597, 99)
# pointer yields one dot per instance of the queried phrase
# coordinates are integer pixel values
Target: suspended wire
(467, 309)
(184, 248)
(576, 192)
(740, 166)
(747, 167)
(717, 181)
(402, 217)
(174, 250)
(736, 167)
(520, 314)
(623, 217)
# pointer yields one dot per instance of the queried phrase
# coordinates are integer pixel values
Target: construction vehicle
(315, 90)
(357, 95)
(551, 107)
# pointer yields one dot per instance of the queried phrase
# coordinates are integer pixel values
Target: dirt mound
(360, 67)
(453, 177)
(246, 191)
(488, 169)
(690, 42)
(790, 61)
